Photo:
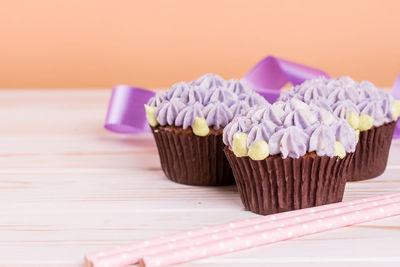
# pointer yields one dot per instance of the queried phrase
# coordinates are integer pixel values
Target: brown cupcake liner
(190, 159)
(372, 152)
(276, 185)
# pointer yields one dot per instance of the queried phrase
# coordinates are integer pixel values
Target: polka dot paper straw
(130, 254)
(264, 237)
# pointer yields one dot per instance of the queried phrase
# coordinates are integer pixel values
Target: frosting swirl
(193, 94)
(238, 107)
(347, 99)
(220, 94)
(168, 110)
(344, 133)
(253, 99)
(177, 90)
(262, 131)
(237, 87)
(297, 128)
(322, 141)
(342, 89)
(217, 114)
(275, 113)
(368, 90)
(290, 142)
(373, 108)
(188, 115)
(302, 118)
(209, 81)
(209, 99)
(157, 99)
(238, 125)
(343, 108)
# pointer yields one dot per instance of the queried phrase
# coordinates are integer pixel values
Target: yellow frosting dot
(357, 132)
(396, 109)
(151, 115)
(239, 144)
(366, 122)
(339, 150)
(259, 151)
(354, 120)
(200, 127)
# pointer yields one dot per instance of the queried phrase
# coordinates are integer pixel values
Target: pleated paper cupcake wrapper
(276, 185)
(372, 153)
(193, 160)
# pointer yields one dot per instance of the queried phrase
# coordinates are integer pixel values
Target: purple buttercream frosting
(176, 90)
(275, 113)
(292, 129)
(342, 89)
(157, 99)
(379, 109)
(237, 87)
(343, 108)
(322, 141)
(253, 99)
(167, 111)
(344, 134)
(262, 131)
(217, 114)
(241, 124)
(220, 95)
(209, 97)
(188, 114)
(238, 107)
(303, 118)
(209, 81)
(289, 142)
(344, 95)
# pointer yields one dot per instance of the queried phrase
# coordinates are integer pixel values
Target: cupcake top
(289, 129)
(209, 101)
(361, 104)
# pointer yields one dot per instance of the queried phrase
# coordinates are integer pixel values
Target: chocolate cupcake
(187, 123)
(371, 112)
(289, 155)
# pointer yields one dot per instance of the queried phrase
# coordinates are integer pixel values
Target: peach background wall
(87, 43)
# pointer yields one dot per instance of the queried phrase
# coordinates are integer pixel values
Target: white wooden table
(68, 187)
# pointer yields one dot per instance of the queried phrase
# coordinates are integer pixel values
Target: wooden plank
(68, 187)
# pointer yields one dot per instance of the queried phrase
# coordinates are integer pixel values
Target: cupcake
(187, 123)
(289, 155)
(371, 112)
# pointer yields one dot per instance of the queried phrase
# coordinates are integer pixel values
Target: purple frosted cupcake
(289, 155)
(371, 112)
(187, 123)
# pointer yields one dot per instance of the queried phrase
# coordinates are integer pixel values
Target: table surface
(69, 187)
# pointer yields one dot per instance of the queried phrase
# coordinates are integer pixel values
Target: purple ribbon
(126, 113)
(271, 74)
(396, 95)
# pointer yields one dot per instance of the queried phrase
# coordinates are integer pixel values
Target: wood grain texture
(68, 187)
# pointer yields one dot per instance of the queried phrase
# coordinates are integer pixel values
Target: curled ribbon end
(126, 112)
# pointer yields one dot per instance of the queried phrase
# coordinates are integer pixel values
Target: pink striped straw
(130, 254)
(245, 230)
(263, 237)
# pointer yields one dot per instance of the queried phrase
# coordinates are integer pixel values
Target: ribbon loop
(269, 75)
(126, 113)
